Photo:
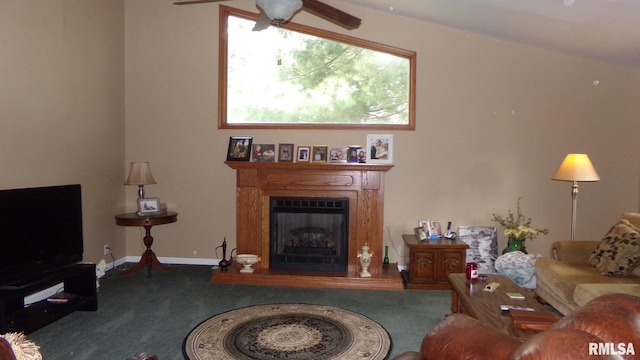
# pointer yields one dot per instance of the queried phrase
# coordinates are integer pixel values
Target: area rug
(287, 331)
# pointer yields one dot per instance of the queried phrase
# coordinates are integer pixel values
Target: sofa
(606, 324)
(575, 274)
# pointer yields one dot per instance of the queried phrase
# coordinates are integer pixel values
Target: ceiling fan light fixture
(279, 10)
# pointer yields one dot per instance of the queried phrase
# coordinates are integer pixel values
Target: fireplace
(330, 185)
(309, 233)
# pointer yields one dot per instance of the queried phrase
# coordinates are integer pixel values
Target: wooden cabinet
(430, 261)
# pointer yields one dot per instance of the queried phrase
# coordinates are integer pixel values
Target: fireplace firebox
(309, 233)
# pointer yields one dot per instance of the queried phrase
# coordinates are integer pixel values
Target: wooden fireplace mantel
(362, 184)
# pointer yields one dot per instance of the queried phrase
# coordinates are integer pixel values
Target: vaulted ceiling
(607, 31)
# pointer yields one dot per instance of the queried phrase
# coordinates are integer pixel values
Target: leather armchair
(609, 319)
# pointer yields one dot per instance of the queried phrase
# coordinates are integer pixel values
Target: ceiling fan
(279, 11)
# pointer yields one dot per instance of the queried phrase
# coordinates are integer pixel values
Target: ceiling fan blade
(263, 22)
(331, 14)
(189, 2)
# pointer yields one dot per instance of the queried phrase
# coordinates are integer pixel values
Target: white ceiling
(603, 30)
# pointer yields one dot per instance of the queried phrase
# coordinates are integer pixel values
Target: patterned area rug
(287, 331)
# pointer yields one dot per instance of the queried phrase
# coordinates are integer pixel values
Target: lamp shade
(140, 174)
(576, 167)
(279, 10)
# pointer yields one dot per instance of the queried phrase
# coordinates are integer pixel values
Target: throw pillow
(619, 252)
(483, 246)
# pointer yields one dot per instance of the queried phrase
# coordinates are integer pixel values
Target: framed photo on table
(148, 206)
(379, 149)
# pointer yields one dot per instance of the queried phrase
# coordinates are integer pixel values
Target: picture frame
(147, 206)
(362, 156)
(239, 148)
(303, 154)
(424, 225)
(338, 154)
(435, 228)
(352, 156)
(420, 234)
(379, 149)
(320, 153)
(263, 153)
(285, 153)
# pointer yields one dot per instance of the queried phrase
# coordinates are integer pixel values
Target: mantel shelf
(308, 166)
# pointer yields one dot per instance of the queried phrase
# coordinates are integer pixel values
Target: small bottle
(385, 261)
(472, 271)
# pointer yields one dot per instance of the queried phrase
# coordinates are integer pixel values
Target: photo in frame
(435, 228)
(320, 153)
(483, 246)
(338, 154)
(147, 206)
(353, 153)
(379, 149)
(420, 234)
(303, 153)
(285, 153)
(425, 226)
(263, 152)
(239, 148)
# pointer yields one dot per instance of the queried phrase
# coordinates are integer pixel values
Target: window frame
(226, 11)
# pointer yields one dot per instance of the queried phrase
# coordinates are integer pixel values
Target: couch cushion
(561, 279)
(633, 218)
(587, 292)
(619, 252)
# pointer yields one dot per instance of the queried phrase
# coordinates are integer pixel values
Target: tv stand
(79, 279)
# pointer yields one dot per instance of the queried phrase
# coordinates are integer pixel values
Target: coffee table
(470, 298)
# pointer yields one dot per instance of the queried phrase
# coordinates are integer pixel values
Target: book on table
(533, 320)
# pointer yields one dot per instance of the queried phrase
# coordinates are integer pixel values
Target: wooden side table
(147, 221)
(430, 261)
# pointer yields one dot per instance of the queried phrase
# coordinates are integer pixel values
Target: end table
(147, 221)
(430, 261)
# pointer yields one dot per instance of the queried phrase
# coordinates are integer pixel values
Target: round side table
(147, 221)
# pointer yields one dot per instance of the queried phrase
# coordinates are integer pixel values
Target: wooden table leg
(148, 257)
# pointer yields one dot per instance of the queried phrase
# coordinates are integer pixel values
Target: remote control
(513, 307)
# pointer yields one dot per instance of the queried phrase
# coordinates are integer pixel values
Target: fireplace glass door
(309, 233)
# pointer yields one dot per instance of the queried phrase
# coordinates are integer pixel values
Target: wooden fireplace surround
(362, 184)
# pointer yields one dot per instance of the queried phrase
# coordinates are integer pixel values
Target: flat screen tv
(40, 232)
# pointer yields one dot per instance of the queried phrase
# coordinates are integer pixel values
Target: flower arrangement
(518, 226)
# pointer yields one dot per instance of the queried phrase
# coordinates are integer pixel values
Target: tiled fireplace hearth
(361, 184)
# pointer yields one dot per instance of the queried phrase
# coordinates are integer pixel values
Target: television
(40, 232)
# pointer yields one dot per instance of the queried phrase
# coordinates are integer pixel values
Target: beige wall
(62, 105)
(494, 120)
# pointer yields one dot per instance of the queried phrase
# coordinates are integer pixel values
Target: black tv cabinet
(79, 280)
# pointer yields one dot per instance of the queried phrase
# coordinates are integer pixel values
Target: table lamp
(575, 167)
(140, 174)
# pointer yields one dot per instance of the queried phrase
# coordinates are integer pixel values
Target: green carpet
(136, 314)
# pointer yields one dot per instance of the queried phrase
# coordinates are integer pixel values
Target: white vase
(365, 261)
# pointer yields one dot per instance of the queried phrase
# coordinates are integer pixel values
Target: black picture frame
(239, 148)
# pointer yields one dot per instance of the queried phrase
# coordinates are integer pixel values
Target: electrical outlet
(107, 249)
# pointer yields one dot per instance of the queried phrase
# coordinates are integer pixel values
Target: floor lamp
(575, 167)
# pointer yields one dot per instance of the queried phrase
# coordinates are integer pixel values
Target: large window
(295, 76)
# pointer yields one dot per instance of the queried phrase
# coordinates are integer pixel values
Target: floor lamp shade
(575, 168)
